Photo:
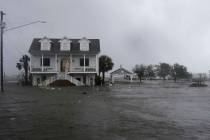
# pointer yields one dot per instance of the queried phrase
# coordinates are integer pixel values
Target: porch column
(30, 68)
(56, 62)
(96, 64)
(84, 62)
(42, 63)
(70, 62)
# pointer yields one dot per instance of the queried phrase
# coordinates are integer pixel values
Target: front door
(65, 65)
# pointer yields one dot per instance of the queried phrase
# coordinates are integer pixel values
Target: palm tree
(24, 64)
(105, 64)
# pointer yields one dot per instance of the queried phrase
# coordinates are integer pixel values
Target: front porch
(67, 64)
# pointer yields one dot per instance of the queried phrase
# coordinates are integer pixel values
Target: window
(65, 45)
(46, 62)
(84, 44)
(45, 45)
(86, 62)
(82, 61)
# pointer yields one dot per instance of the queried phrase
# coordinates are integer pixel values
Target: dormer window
(45, 44)
(84, 44)
(65, 44)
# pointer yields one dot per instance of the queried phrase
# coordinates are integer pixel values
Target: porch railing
(45, 69)
(83, 69)
(72, 69)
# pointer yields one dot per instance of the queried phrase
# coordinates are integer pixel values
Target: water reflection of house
(67, 61)
(121, 74)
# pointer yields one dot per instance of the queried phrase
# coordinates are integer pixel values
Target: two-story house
(64, 61)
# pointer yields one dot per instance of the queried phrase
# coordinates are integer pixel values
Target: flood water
(167, 111)
(152, 111)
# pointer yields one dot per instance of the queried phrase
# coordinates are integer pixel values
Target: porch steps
(63, 76)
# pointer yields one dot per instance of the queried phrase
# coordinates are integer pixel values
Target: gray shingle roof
(120, 70)
(35, 47)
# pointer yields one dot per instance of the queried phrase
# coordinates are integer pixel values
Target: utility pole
(2, 24)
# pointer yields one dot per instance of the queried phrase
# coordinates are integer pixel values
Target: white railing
(72, 69)
(77, 69)
(83, 69)
(63, 76)
(73, 80)
(45, 69)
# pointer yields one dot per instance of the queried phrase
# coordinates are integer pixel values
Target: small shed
(121, 74)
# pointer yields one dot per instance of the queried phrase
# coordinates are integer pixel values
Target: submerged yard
(156, 110)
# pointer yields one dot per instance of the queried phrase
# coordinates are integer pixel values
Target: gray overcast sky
(131, 31)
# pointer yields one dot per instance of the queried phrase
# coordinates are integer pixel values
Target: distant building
(199, 79)
(64, 60)
(121, 74)
(199, 76)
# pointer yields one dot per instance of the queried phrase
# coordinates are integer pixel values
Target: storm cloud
(131, 31)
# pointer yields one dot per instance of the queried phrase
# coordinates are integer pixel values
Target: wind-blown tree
(140, 71)
(163, 70)
(105, 64)
(24, 64)
(179, 72)
(149, 71)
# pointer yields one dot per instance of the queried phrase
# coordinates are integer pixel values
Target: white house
(121, 74)
(64, 61)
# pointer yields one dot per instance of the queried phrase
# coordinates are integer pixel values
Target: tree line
(162, 70)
